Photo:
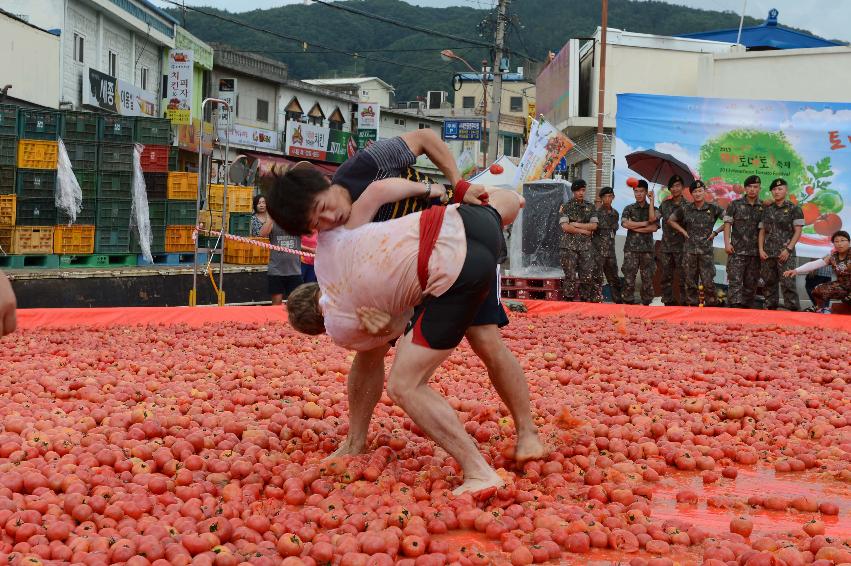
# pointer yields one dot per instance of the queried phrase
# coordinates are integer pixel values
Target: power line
(480, 43)
(303, 52)
(304, 41)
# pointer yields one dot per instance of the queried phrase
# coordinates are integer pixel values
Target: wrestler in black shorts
(440, 322)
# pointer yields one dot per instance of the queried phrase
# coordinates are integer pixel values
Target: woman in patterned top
(840, 262)
(259, 218)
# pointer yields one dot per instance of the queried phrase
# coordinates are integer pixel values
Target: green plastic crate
(35, 211)
(8, 120)
(112, 240)
(113, 213)
(156, 185)
(116, 157)
(155, 131)
(35, 183)
(8, 151)
(240, 224)
(88, 181)
(116, 129)
(157, 241)
(115, 185)
(80, 126)
(7, 180)
(38, 124)
(157, 213)
(83, 155)
(87, 215)
(180, 213)
(173, 152)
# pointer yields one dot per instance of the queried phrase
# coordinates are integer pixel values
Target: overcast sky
(828, 18)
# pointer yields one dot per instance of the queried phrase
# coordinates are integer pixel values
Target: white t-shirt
(375, 265)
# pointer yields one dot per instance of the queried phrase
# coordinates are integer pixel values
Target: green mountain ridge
(540, 26)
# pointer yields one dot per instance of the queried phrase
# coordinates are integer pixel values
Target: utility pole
(601, 101)
(496, 90)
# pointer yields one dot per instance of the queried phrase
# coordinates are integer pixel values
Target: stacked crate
(182, 195)
(239, 211)
(8, 161)
(115, 187)
(156, 133)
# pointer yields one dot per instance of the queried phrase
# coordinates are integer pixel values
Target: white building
(122, 39)
(21, 44)
(365, 89)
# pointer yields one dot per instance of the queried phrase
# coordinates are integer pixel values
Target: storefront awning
(268, 161)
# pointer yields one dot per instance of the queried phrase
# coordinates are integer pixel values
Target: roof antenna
(741, 21)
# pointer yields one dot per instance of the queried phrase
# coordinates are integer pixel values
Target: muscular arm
(796, 236)
(427, 142)
(760, 239)
(382, 192)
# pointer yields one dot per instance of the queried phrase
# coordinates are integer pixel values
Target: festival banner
(546, 147)
(318, 142)
(179, 92)
(723, 141)
(108, 93)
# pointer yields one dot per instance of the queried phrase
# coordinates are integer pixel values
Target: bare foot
(530, 447)
(346, 449)
(473, 485)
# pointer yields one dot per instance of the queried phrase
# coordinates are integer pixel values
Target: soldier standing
(779, 231)
(604, 246)
(741, 232)
(640, 220)
(695, 222)
(578, 222)
(671, 247)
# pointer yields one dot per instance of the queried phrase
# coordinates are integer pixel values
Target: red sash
(431, 220)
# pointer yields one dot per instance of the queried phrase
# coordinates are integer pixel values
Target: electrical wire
(303, 41)
(303, 52)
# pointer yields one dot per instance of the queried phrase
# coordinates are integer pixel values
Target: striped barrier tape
(250, 241)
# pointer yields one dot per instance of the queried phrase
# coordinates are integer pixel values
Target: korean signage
(319, 143)
(254, 137)
(368, 115)
(179, 86)
(187, 136)
(466, 130)
(724, 141)
(228, 93)
(366, 138)
(108, 93)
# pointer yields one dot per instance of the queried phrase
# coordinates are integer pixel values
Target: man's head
(778, 188)
(675, 185)
(607, 195)
(303, 309)
(752, 186)
(302, 199)
(698, 191)
(578, 187)
(841, 241)
(640, 191)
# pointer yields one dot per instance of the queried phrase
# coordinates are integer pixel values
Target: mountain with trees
(320, 41)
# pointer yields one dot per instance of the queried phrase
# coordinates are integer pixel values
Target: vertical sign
(369, 115)
(227, 92)
(179, 94)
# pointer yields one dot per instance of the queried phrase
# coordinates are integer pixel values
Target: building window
(113, 64)
(423, 126)
(262, 110)
(468, 102)
(516, 104)
(399, 121)
(79, 48)
(511, 146)
(335, 125)
(296, 116)
(314, 120)
(143, 78)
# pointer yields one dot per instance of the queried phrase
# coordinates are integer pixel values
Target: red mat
(203, 316)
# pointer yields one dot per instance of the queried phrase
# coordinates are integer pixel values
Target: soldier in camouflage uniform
(604, 247)
(671, 247)
(741, 232)
(779, 231)
(639, 218)
(578, 222)
(695, 221)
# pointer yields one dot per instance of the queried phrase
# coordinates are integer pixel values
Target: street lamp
(448, 55)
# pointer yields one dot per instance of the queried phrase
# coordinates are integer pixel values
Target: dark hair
(674, 179)
(290, 197)
(751, 180)
(256, 200)
(303, 310)
(642, 184)
(840, 234)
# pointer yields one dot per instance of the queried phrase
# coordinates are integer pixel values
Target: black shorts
(440, 322)
(283, 284)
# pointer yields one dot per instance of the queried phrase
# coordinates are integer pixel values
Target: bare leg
(277, 300)
(365, 384)
(510, 383)
(408, 386)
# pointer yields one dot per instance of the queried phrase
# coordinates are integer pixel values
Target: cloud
(817, 118)
(679, 152)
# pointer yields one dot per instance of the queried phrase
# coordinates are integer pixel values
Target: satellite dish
(238, 170)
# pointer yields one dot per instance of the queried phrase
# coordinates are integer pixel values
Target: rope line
(249, 241)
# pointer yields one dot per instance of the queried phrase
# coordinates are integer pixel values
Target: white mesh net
(139, 214)
(69, 195)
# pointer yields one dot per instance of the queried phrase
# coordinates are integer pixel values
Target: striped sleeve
(392, 156)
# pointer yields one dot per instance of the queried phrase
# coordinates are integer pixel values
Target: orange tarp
(201, 316)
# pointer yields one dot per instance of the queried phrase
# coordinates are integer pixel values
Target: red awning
(267, 161)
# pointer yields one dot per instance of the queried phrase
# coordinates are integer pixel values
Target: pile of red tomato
(166, 445)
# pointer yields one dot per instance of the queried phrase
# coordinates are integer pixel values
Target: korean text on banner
(723, 141)
(179, 93)
(306, 140)
(108, 93)
(257, 138)
(546, 147)
(369, 114)
(227, 92)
